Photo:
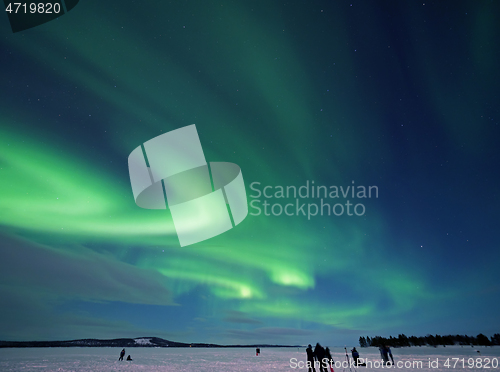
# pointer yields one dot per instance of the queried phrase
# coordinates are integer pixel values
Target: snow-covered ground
(239, 359)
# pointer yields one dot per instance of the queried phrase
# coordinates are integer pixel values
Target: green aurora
(294, 92)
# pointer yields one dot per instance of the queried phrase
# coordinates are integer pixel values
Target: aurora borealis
(398, 95)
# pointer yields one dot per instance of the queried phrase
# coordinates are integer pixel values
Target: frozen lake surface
(239, 359)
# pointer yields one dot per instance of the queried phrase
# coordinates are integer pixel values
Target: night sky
(401, 95)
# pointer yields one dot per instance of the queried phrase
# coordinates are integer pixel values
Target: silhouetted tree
(403, 340)
(495, 339)
(432, 340)
(362, 342)
(483, 340)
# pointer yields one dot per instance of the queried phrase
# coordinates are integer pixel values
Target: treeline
(430, 340)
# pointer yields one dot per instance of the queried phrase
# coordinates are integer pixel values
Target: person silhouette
(122, 354)
(310, 358)
(390, 354)
(355, 356)
(319, 353)
(328, 355)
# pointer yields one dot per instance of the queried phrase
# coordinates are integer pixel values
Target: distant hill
(121, 342)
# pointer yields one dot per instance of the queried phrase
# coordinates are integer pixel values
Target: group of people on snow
(122, 354)
(322, 358)
(385, 353)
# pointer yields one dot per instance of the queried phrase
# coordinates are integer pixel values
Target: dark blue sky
(398, 95)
